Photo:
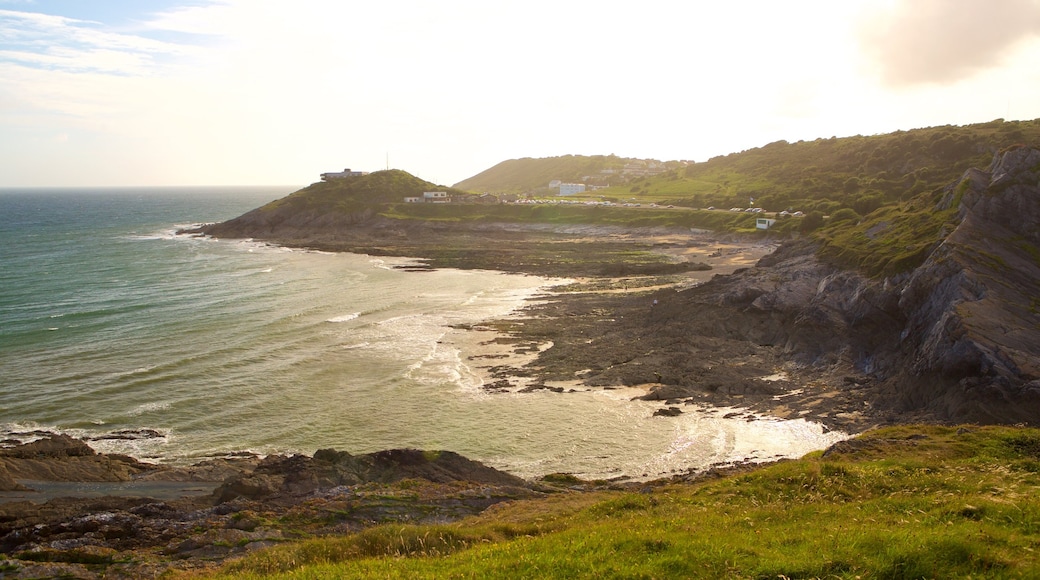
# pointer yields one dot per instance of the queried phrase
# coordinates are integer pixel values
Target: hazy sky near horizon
(230, 92)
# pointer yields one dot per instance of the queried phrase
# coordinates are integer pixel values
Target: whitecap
(132, 372)
(473, 299)
(344, 318)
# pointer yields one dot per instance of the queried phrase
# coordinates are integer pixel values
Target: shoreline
(506, 358)
(545, 344)
(540, 347)
(509, 359)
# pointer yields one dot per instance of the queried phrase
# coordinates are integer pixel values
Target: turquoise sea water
(175, 348)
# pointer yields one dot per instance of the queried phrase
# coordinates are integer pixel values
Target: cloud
(913, 42)
(73, 45)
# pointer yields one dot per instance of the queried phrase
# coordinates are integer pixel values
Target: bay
(175, 348)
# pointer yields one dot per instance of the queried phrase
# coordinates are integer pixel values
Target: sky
(256, 92)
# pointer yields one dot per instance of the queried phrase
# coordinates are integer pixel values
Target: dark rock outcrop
(63, 458)
(133, 537)
(973, 309)
(958, 338)
(955, 339)
(298, 474)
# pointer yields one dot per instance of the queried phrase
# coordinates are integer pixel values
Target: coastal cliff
(955, 339)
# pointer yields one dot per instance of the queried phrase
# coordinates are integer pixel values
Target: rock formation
(134, 537)
(956, 339)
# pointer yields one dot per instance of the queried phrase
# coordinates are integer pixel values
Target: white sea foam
(398, 319)
(473, 299)
(345, 317)
(147, 446)
(135, 442)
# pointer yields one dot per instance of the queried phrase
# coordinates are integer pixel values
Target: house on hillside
(764, 223)
(345, 174)
(436, 197)
(413, 200)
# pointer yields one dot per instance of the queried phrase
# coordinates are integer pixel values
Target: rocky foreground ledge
(240, 504)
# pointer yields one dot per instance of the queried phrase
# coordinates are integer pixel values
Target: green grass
(572, 215)
(904, 502)
(888, 241)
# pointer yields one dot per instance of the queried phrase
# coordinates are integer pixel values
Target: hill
(390, 186)
(529, 175)
(872, 202)
(861, 173)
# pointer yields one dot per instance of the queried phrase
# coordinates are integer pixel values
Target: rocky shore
(725, 322)
(239, 504)
(956, 339)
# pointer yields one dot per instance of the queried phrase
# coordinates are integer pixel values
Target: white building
(413, 200)
(346, 173)
(435, 196)
(764, 223)
(571, 188)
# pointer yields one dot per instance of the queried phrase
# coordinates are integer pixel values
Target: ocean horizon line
(19, 188)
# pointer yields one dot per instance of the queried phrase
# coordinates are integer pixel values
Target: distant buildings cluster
(430, 197)
(604, 178)
(345, 174)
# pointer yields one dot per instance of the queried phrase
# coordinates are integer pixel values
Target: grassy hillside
(858, 173)
(530, 175)
(901, 502)
(869, 201)
(380, 187)
(574, 214)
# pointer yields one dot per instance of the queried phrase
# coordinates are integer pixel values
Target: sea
(176, 348)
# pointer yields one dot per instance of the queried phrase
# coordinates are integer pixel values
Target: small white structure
(435, 196)
(571, 188)
(346, 173)
(413, 200)
(764, 223)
